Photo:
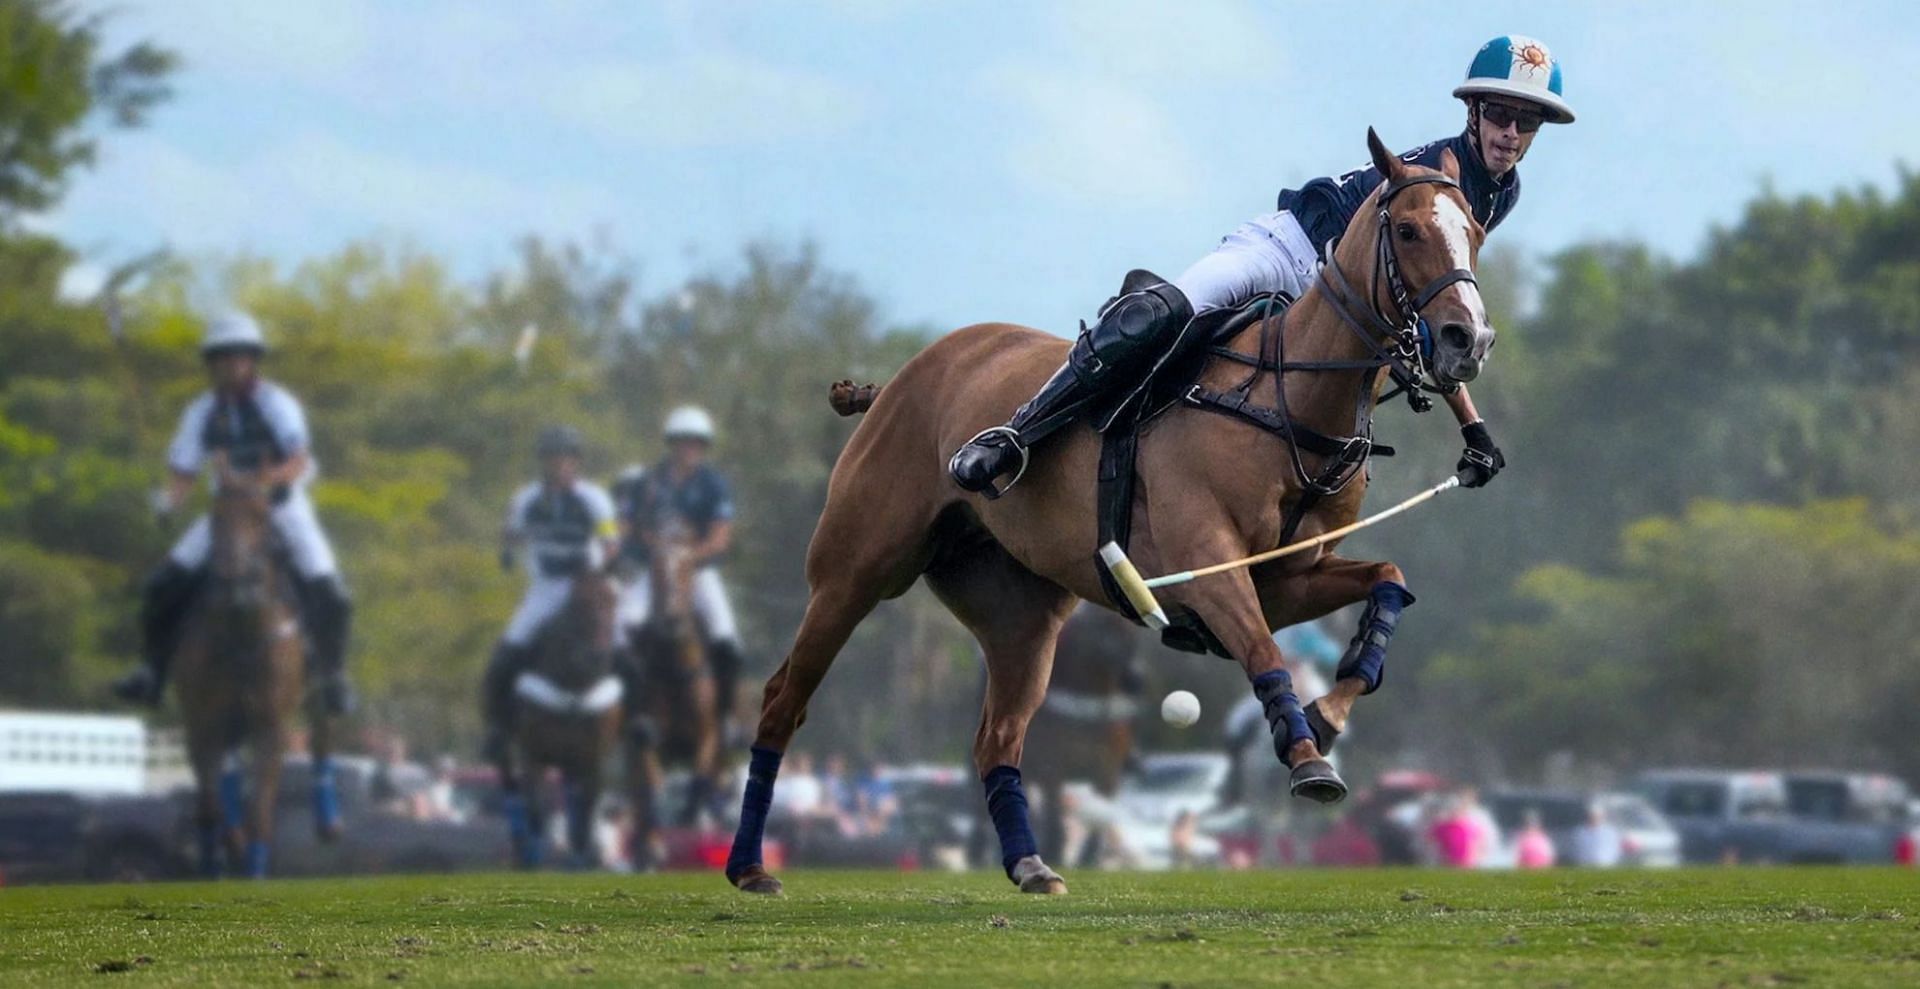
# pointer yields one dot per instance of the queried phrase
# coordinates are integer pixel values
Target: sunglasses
(1501, 115)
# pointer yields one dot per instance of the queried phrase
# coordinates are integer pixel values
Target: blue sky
(965, 161)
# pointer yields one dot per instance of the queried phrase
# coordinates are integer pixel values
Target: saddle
(1174, 380)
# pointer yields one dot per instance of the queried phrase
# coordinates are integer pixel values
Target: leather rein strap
(1395, 346)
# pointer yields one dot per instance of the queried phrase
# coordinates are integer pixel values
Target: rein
(1395, 345)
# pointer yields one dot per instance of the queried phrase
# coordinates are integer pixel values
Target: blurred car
(1156, 792)
(1799, 818)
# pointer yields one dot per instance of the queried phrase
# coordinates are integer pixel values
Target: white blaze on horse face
(1454, 225)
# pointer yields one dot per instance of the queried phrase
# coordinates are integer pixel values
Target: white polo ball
(1180, 709)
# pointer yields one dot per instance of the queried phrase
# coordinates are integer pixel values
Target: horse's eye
(1408, 232)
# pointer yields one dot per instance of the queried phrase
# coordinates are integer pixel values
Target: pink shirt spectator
(1535, 849)
(1457, 841)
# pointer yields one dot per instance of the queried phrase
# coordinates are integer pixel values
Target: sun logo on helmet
(1533, 56)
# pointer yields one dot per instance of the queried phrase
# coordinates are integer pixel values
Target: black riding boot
(163, 602)
(496, 698)
(1132, 332)
(329, 613)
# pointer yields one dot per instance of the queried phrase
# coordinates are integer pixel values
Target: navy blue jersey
(699, 502)
(1325, 206)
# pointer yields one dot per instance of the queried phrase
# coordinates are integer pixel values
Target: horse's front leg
(1231, 609)
(1333, 583)
(269, 749)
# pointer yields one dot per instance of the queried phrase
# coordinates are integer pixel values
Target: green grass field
(1401, 928)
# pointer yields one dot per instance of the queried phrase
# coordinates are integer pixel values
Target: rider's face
(687, 452)
(233, 370)
(561, 468)
(1503, 144)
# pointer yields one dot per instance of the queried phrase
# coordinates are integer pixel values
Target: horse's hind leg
(326, 794)
(1332, 584)
(582, 789)
(1017, 616)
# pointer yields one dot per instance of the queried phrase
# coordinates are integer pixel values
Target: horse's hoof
(1324, 733)
(1034, 876)
(1315, 780)
(758, 880)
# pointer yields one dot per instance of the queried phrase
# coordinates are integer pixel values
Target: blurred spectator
(1532, 847)
(1346, 843)
(875, 804)
(1180, 842)
(441, 802)
(1462, 835)
(1597, 842)
(800, 792)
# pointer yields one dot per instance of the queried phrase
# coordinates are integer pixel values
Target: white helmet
(689, 422)
(232, 330)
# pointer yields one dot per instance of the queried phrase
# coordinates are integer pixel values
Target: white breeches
(710, 604)
(1266, 254)
(297, 524)
(545, 598)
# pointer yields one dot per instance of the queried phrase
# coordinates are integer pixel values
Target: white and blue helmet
(232, 330)
(1521, 67)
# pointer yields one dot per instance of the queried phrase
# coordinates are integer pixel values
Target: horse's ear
(1383, 160)
(1450, 164)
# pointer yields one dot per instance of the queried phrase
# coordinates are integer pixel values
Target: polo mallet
(1139, 590)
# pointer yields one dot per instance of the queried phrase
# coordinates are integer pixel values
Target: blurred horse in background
(569, 703)
(241, 664)
(678, 712)
(1084, 730)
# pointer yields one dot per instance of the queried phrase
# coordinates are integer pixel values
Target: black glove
(1481, 459)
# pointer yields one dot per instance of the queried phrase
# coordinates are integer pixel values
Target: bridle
(1396, 342)
(1400, 342)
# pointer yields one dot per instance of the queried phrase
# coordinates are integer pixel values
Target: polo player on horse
(1512, 87)
(568, 528)
(686, 488)
(253, 425)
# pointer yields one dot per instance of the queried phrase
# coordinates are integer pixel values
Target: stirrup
(1013, 437)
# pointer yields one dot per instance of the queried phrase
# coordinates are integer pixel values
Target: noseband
(1399, 342)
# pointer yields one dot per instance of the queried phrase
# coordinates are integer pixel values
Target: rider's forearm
(179, 487)
(1462, 405)
(287, 472)
(716, 544)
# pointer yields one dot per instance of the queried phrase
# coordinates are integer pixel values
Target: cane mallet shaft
(1139, 591)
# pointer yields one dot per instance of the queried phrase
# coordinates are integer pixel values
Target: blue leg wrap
(1366, 655)
(326, 796)
(579, 824)
(209, 840)
(256, 860)
(233, 797)
(762, 769)
(526, 845)
(1285, 719)
(1007, 804)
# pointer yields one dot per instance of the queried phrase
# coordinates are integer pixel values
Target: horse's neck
(1321, 400)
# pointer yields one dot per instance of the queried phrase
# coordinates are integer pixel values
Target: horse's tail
(849, 399)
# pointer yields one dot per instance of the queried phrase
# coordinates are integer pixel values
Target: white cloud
(150, 191)
(702, 99)
(1089, 140)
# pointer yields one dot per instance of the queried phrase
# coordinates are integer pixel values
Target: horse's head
(585, 633)
(1424, 243)
(672, 566)
(242, 530)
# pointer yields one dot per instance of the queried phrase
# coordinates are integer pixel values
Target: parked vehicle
(1770, 817)
(1157, 791)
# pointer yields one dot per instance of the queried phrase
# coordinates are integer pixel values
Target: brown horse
(568, 708)
(1211, 488)
(242, 673)
(679, 712)
(1084, 730)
